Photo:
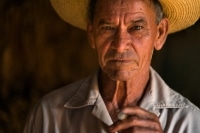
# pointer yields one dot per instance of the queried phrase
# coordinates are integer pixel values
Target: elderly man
(125, 95)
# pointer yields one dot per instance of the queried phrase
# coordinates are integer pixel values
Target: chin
(120, 75)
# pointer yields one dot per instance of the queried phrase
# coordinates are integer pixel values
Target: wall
(39, 52)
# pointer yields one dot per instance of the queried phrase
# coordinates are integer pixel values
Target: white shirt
(79, 108)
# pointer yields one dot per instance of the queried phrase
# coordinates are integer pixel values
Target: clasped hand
(138, 121)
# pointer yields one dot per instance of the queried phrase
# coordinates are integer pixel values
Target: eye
(108, 28)
(137, 27)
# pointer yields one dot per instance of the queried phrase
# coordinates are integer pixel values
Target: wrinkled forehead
(122, 7)
(111, 5)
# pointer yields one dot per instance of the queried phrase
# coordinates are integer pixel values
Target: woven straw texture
(181, 13)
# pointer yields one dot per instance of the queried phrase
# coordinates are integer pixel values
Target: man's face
(124, 33)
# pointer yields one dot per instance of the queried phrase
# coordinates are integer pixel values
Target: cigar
(121, 116)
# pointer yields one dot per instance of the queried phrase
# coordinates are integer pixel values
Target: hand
(138, 121)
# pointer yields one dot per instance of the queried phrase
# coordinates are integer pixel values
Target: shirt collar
(86, 94)
(158, 95)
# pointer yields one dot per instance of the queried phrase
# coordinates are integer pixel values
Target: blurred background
(39, 53)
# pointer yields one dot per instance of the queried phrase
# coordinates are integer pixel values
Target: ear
(162, 33)
(90, 35)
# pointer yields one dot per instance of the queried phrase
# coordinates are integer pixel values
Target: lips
(121, 58)
(119, 61)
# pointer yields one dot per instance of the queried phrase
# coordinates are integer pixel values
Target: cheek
(146, 55)
(102, 46)
(144, 48)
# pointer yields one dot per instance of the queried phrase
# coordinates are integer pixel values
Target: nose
(121, 41)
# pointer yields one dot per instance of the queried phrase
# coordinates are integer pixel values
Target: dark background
(39, 52)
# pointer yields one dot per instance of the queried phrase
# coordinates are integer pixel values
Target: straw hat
(181, 13)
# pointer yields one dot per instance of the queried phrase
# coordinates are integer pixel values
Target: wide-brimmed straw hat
(181, 13)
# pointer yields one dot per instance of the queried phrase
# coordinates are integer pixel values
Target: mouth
(121, 61)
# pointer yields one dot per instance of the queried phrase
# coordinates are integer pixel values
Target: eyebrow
(108, 22)
(140, 20)
(103, 21)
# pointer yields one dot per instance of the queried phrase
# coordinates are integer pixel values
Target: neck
(117, 94)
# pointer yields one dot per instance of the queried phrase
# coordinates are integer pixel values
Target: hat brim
(181, 13)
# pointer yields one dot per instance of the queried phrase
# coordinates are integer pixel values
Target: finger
(140, 130)
(140, 112)
(133, 122)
